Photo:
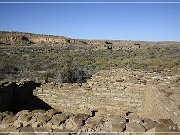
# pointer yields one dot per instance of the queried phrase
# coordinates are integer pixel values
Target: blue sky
(150, 22)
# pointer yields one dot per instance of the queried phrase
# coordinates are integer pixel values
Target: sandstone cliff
(22, 38)
(18, 38)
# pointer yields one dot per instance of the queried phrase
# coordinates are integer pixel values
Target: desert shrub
(76, 65)
(9, 69)
(9, 72)
(47, 76)
(73, 72)
(24, 38)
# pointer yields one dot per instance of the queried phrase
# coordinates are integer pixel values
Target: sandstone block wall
(108, 92)
(115, 92)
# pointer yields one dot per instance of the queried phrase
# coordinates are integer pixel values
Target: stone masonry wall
(107, 92)
(115, 91)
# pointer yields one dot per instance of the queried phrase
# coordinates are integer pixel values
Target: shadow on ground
(16, 98)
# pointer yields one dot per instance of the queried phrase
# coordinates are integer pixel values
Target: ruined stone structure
(116, 92)
(117, 100)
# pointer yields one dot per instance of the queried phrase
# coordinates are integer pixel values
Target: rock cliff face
(15, 38)
(20, 38)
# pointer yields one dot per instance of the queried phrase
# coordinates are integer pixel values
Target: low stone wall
(86, 99)
(114, 92)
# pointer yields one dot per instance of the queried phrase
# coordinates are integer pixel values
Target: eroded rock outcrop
(22, 38)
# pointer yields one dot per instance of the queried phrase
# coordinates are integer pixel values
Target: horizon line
(58, 35)
(63, 2)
